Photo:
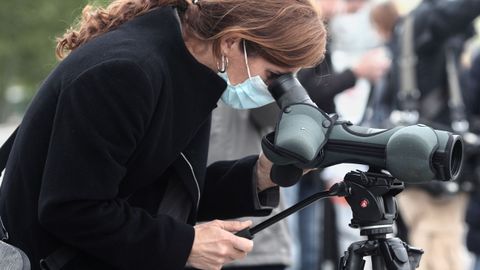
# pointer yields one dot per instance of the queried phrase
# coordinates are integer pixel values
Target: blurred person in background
(109, 162)
(420, 43)
(473, 208)
(321, 82)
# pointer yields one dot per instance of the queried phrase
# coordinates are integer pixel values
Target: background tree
(27, 42)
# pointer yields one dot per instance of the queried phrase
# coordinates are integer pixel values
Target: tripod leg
(378, 263)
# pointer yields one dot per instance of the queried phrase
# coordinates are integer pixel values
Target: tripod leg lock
(400, 256)
(414, 256)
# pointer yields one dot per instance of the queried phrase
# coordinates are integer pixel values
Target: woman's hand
(372, 65)
(215, 244)
(264, 166)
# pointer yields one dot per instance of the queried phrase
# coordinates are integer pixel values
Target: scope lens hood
(448, 163)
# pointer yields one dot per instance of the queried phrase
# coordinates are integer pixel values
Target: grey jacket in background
(234, 135)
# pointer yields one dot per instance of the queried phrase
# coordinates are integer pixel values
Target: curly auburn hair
(288, 33)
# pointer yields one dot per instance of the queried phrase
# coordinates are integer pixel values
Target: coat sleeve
(231, 191)
(322, 84)
(99, 120)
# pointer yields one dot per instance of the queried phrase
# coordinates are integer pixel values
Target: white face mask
(252, 93)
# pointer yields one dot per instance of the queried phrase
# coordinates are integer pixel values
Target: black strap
(409, 94)
(5, 150)
(4, 153)
(458, 114)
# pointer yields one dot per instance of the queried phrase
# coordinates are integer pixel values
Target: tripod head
(372, 200)
(371, 196)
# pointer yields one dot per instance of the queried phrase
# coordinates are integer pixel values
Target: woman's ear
(230, 45)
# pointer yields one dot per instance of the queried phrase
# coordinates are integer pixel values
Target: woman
(110, 159)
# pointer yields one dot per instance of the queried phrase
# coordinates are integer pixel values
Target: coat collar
(191, 79)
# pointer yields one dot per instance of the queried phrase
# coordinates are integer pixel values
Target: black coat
(117, 121)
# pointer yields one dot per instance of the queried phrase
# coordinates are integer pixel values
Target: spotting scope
(306, 137)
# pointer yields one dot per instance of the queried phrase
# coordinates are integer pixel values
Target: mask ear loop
(246, 59)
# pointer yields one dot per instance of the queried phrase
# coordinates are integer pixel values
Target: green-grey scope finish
(306, 137)
(412, 154)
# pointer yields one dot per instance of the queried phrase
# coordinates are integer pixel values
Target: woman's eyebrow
(273, 70)
(282, 72)
(273, 74)
(278, 72)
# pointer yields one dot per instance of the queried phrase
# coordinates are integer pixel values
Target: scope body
(307, 137)
(414, 153)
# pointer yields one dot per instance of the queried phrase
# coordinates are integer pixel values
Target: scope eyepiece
(287, 90)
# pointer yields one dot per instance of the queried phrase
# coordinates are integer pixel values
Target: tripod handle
(339, 189)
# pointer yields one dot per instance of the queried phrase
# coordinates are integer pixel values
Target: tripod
(371, 197)
(374, 211)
